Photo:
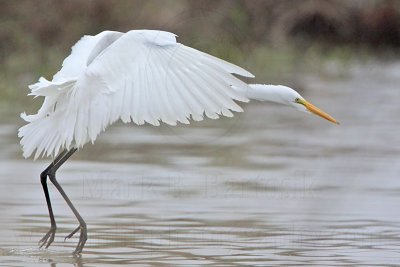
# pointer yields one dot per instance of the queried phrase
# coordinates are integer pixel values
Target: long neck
(267, 92)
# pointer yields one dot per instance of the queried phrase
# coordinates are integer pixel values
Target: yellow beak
(310, 107)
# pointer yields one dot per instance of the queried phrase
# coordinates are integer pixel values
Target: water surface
(270, 187)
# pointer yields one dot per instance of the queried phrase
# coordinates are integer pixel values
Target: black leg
(82, 224)
(49, 237)
(50, 171)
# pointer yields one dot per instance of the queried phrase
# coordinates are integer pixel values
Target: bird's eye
(297, 100)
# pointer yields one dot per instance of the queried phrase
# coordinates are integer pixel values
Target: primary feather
(140, 76)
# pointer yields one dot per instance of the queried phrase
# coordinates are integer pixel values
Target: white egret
(139, 76)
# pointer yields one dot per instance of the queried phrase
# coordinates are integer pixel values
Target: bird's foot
(48, 238)
(82, 237)
(72, 234)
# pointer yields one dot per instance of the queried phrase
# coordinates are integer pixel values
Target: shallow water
(270, 187)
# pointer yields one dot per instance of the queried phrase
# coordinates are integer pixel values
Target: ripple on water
(254, 191)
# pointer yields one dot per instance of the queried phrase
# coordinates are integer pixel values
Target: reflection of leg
(82, 224)
(49, 237)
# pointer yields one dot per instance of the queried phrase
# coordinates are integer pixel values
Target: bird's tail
(45, 132)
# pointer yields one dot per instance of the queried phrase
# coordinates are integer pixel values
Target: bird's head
(292, 98)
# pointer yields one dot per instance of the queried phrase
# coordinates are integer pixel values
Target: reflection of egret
(140, 76)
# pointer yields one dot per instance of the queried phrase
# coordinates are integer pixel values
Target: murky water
(270, 187)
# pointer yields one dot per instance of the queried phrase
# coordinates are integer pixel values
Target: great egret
(140, 76)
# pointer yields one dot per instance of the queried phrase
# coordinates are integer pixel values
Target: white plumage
(140, 76)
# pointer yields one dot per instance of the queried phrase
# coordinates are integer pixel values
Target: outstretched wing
(146, 76)
(140, 76)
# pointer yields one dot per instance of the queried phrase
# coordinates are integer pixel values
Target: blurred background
(278, 38)
(269, 187)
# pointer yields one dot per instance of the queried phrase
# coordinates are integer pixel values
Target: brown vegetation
(36, 35)
(48, 22)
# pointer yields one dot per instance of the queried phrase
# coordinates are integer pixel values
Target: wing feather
(187, 96)
(161, 108)
(167, 81)
(141, 76)
(176, 106)
(193, 84)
